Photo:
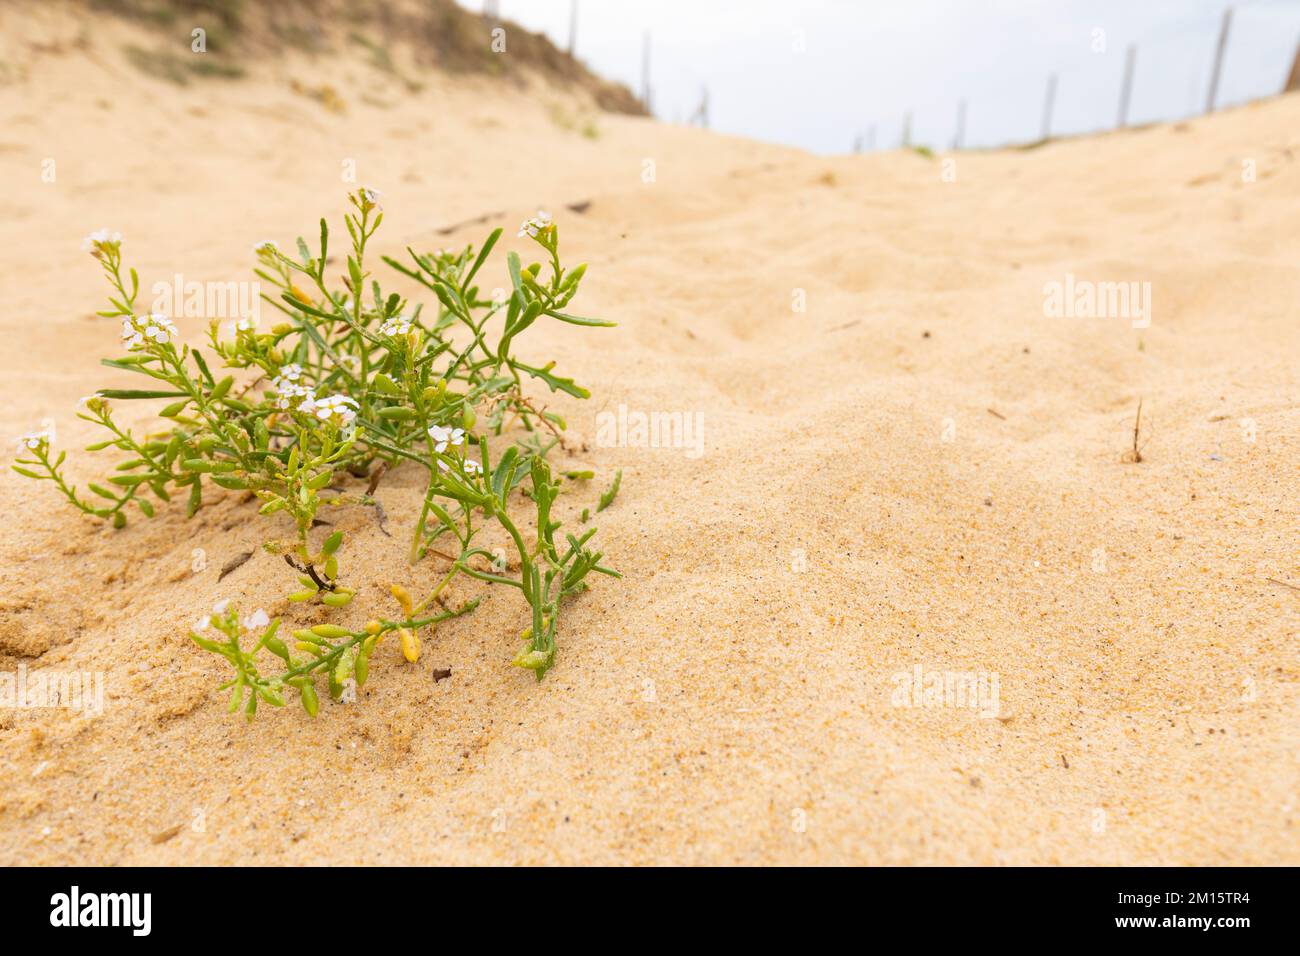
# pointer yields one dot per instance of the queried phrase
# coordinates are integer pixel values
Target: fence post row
(1125, 93)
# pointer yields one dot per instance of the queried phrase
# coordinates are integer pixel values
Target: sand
(919, 468)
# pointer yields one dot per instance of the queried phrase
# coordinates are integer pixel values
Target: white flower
(291, 395)
(256, 620)
(397, 325)
(290, 389)
(246, 324)
(36, 441)
(202, 623)
(138, 331)
(371, 197)
(531, 227)
(443, 437)
(334, 409)
(95, 242)
(267, 246)
(472, 467)
(289, 376)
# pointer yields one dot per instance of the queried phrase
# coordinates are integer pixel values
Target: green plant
(357, 383)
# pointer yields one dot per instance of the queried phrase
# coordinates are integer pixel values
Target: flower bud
(403, 598)
(410, 644)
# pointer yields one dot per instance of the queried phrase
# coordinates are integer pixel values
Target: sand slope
(717, 706)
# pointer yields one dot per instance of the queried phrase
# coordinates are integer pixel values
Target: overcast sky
(818, 74)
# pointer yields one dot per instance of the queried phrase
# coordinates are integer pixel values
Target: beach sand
(904, 463)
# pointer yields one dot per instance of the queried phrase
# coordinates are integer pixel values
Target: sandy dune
(920, 468)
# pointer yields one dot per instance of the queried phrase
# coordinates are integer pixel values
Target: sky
(824, 74)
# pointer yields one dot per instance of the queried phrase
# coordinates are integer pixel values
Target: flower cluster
(139, 331)
(338, 410)
(252, 622)
(535, 226)
(448, 442)
(289, 388)
(36, 441)
(101, 241)
(396, 326)
(367, 199)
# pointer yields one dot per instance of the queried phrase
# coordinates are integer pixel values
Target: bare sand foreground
(920, 469)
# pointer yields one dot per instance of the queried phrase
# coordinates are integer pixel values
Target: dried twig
(1134, 455)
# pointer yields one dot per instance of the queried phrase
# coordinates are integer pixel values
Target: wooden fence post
(1126, 91)
(1218, 61)
(645, 73)
(1293, 81)
(1048, 104)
